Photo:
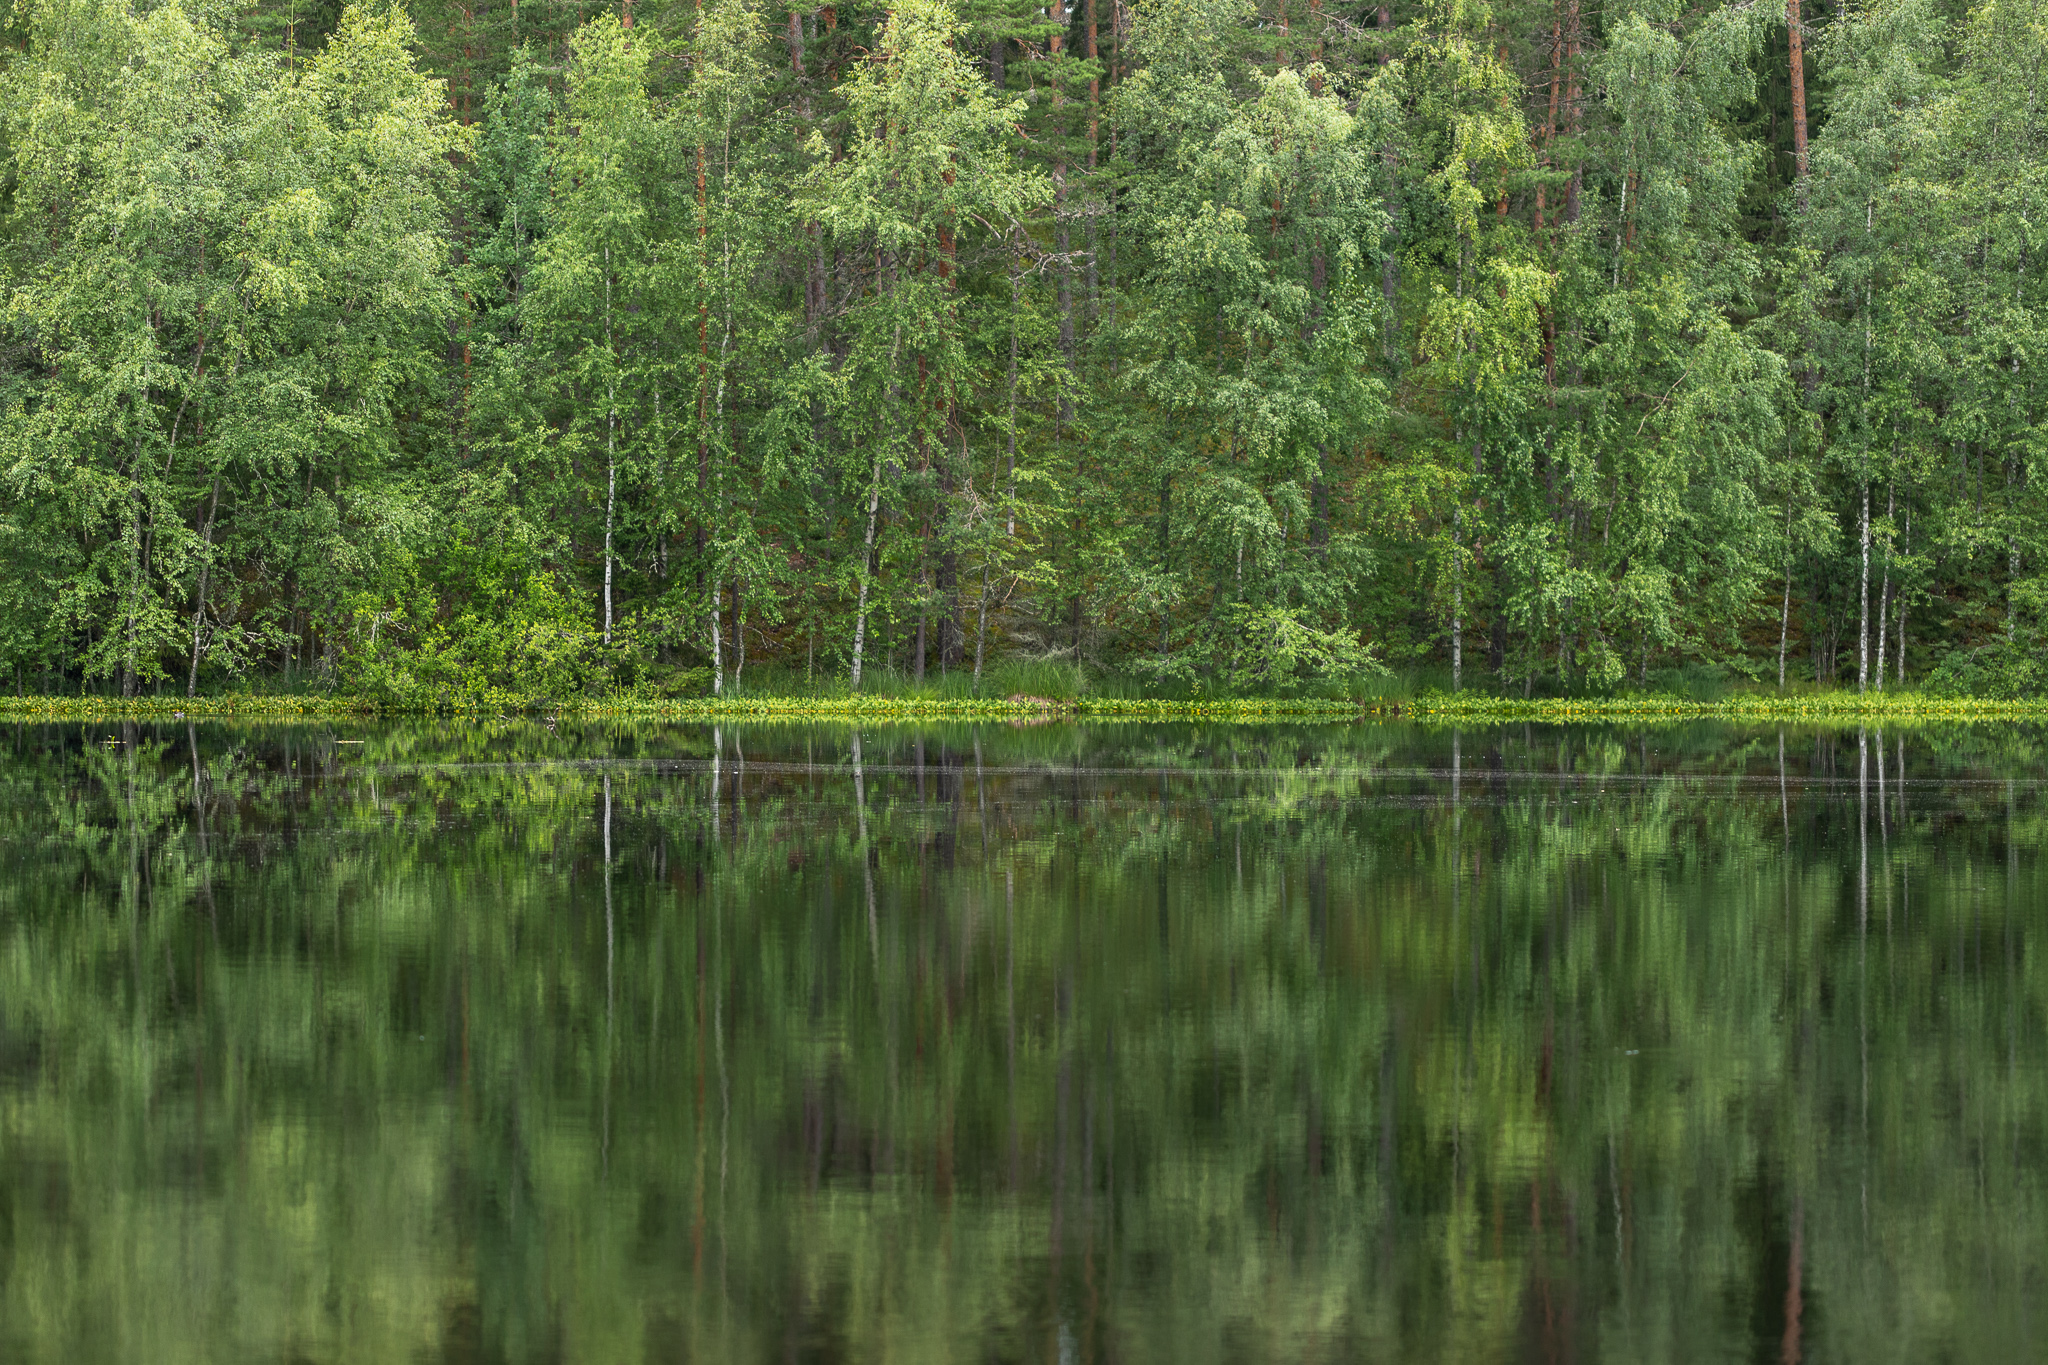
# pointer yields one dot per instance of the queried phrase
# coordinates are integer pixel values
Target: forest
(1214, 346)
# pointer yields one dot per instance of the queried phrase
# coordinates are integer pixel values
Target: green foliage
(2004, 669)
(1274, 650)
(532, 647)
(1506, 342)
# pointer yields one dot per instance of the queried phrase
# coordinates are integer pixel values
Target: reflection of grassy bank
(294, 706)
(1429, 708)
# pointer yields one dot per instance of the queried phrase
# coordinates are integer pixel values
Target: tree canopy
(1227, 345)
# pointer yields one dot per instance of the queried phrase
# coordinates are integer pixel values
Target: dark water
(1062, 1044)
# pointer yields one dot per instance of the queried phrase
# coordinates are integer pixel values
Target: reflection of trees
(354, 1049)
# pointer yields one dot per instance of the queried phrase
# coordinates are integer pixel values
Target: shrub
(2003, 669)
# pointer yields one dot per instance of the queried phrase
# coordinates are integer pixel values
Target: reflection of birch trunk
(609, 942)
(1863, 831)
(1784, 799)
(1457, 825)
(867, 868)
(1863, 940)
(1010, 1008)
(199, 819)
(1884, 833)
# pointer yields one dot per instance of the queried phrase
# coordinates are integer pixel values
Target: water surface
(1059, 1043)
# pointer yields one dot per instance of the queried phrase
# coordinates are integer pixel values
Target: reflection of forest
(1121, 1043)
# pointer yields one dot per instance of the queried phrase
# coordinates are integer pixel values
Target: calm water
(1060, 1044)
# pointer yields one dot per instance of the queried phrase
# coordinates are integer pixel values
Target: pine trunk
(1796, 44)
(1572, 37)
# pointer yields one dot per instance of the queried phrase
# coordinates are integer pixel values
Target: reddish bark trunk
(1797, 61)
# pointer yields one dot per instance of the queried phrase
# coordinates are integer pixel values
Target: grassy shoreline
(1429, 708)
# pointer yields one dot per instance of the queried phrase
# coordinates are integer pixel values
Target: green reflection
(1019, 1043)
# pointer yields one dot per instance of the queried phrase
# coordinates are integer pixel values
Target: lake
(1065, 1043)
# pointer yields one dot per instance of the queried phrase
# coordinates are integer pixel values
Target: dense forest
(1208, 344)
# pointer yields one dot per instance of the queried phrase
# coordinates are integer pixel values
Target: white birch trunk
(867, 558)
(1863, 598)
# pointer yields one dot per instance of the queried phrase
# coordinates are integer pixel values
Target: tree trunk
(1796, 42)
(1061, 13)
(923, 611)
(1884, 591)
(1785, 607)
(1556, 91)
(952, 607)
(199, 599)
(1319, 505)
(611, 497)
(1906, 547)
(1863, 596)
(867, 570)
(1094, 124)
(1390, 257)
(1784, 622)
(707, 575)
(136, 560)
(2012, 557)
(717, 628)
(1010, 487)
(739, 633)
(611, 443)
(1497, 637)
(981, 629)
(1572, 36)
(814, 262)
(1457, 599)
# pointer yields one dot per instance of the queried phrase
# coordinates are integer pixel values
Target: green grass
(271, 705)
(1060, 688)
(1801, 705)
(1056, 679)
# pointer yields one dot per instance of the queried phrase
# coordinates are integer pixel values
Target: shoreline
(1437, 709)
